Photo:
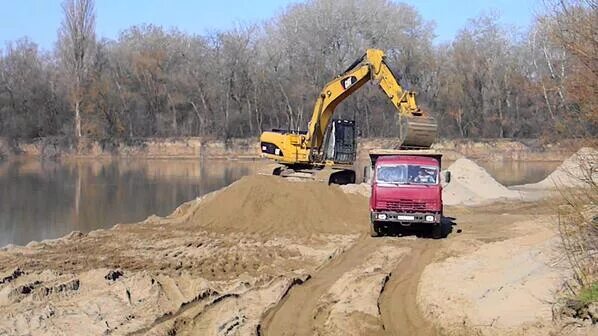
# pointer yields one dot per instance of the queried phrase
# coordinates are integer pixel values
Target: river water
(46, 199)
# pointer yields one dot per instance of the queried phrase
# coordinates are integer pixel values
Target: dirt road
(297, 314)
(398, 302)
(300, 312)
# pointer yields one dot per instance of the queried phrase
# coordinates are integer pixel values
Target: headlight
(382, 216)
(429, 218)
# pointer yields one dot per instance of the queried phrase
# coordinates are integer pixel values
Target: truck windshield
(407, 174)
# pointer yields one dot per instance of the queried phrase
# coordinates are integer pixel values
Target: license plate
(405, 217)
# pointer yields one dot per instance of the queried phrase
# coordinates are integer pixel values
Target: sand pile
(363, 189)
(472, 185)
(272, 205)
(576, 171)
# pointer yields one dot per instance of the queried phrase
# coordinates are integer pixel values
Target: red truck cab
(406, 190)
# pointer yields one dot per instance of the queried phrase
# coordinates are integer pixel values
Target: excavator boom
(417, 130)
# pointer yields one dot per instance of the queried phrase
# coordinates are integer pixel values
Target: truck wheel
(374, 230)
(342, 177)
(437, 231)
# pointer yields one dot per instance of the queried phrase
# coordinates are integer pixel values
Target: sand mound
(472, 185)
(272, 205)
(363, 189)
(579, 169)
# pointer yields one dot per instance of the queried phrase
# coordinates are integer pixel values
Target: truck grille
(406, 205)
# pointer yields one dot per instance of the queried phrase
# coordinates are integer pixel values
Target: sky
(40, 19)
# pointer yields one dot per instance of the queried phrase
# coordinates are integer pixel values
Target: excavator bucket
(417, 132)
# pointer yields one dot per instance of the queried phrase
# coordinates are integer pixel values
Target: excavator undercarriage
(327, 174)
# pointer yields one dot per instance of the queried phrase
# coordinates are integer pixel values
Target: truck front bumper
(405, 218)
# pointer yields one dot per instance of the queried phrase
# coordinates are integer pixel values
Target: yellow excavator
(327, 150)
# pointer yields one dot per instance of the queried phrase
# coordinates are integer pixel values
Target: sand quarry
(269, 256)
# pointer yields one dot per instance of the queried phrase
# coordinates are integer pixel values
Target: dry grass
(578, 227)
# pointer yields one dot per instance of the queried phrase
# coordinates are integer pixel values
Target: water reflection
(511, 173)
(45, 199)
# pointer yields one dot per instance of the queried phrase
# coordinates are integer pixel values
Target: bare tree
(31, 105)
(76, 40)
(151, 81)
(573, 28)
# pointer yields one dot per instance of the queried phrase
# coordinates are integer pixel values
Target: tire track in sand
(294, 315)
(398, 302)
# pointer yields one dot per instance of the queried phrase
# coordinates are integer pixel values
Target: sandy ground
(172, 274)
(268, 256)
(497, 278)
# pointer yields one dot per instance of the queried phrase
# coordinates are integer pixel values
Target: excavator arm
(304, 150)
(416, 129)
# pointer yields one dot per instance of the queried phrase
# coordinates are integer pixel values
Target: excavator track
(327, 174)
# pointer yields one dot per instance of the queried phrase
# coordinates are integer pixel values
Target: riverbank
(154, 148)
(190, 147)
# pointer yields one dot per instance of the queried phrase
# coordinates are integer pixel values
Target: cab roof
(407, 159)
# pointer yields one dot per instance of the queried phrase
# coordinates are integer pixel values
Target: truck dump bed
(376, 153)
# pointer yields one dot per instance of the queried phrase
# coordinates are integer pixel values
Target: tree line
(489, 82)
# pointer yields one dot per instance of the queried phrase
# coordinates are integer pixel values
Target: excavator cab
(340, 144)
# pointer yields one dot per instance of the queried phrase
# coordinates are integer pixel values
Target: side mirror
(447, 176)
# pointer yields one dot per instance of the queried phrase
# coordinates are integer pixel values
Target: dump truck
(406, 190)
